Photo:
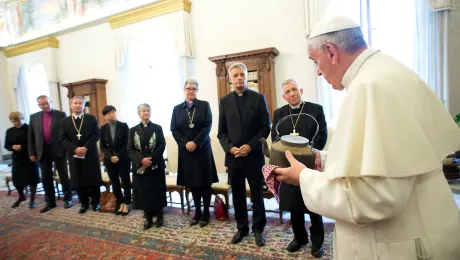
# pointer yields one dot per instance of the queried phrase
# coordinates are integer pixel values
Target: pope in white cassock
(381, 178)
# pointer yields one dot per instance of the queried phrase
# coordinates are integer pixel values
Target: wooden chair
(171, 186)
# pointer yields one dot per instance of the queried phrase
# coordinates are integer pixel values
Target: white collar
(298, 106)
(77, 117)
(355, 66)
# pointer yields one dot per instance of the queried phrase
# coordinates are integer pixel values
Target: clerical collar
(145, 125)
(297, 106)
(189, 104)
(77, 117)
(245, 92)
(356, 65)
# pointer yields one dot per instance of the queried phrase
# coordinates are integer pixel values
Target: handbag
(108, 202)
(220, 209)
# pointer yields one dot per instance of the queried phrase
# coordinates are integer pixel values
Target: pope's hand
(290, 175)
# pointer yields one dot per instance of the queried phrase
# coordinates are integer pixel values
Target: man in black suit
(79, 135)
(243, 120)
(45, 147)
(114, 145)
(290, 195)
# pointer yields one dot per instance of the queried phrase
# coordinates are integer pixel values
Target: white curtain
(22, 94)
(430, 50)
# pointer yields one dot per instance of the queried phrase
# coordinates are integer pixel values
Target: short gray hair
(289, 81)
(191, 81)
(239, 65)
(143, 106)
(351, 40)
(79, 97)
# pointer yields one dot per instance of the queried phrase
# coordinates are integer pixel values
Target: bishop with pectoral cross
(79, 136)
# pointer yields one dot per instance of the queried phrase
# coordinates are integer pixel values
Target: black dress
(149, 187)
(195, 169)
(24, 171)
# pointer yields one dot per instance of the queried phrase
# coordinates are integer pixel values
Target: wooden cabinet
(93, 90)
(261, 73)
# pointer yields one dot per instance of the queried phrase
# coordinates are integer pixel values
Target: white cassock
(382, 179)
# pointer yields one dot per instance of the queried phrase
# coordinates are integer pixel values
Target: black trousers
(316, 228)
(255, 179)
(87, 193)
(46, 164)
(116, 172)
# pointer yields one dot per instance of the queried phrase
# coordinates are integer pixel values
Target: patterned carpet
(65, 234)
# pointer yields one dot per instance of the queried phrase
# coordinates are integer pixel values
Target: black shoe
(95, 207)
(67, 204)
(83, 209)
(194, 222)
(124, 213)
(260, 239)
(16, 203)
(238, 237)
(295, 245)
(159, 222)
(148, 224)
(32, 205)
(316, 252)
(204, 223)
(47, 207)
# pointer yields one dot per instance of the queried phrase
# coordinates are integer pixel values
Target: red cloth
(272, 184)
(46, 127)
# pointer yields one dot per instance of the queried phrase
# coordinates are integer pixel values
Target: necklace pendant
(294, 133)
(191, 125)
(78, 136)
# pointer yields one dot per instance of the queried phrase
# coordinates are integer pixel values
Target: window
(37, 84)
(151, 75)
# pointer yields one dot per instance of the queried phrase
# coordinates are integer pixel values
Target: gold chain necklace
(297, 120)
(191, 125)
(81, 124)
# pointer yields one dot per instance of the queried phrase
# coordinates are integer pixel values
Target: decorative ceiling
(24, 20)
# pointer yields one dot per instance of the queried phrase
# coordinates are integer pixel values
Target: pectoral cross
(78, 136)
(294, 133)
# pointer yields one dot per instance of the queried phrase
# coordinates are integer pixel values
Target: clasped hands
(291, 175)
(17, 147)
(243, 151)
(146, 162)
(190, 146)
(81, 151)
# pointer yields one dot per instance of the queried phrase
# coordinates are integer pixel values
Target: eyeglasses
(191, 89)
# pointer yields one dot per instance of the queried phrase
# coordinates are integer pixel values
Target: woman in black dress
(25, 172)
(190, 125)
(146, 145)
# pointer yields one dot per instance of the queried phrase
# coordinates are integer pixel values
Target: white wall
(223, 27)
(86, 54)
(6, 101)
(453, 63)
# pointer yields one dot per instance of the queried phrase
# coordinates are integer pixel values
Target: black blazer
(117, 147)
(202, 120)
(137, 155)
(233, 133)
(36, 134)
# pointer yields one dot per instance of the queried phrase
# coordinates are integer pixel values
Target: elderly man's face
(238, 78)
(144, 114)
(326, 66)
(292, 94)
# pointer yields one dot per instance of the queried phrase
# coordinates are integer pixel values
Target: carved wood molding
(38, 44)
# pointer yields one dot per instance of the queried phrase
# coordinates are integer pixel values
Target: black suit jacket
(36, 134)
(233, 132)
(117, 147)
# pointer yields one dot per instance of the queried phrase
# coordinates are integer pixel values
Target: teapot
(301, 147)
